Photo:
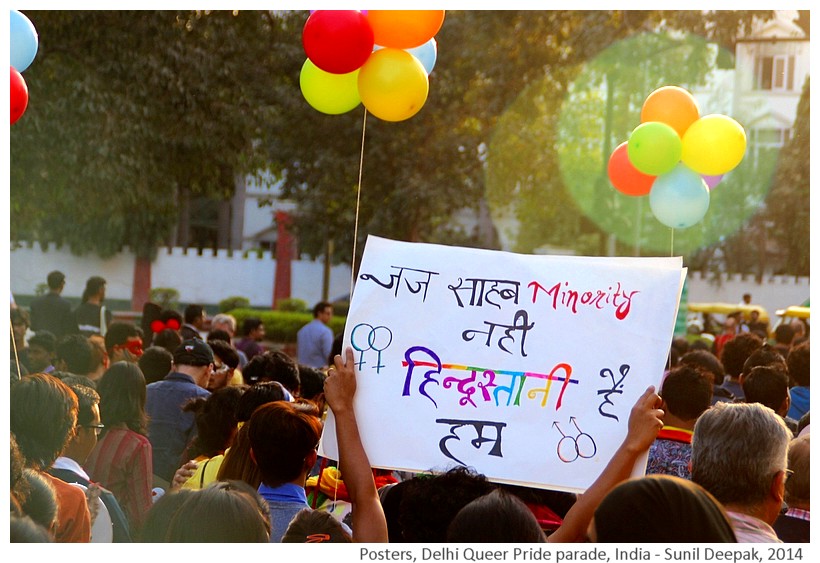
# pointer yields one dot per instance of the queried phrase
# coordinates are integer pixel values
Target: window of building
(774, 73)
(765, 144)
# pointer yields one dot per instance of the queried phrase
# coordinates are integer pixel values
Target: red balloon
(19, 95)
(337, 41)
(625, 177)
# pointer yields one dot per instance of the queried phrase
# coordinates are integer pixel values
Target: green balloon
(654, 148)
(329, 93)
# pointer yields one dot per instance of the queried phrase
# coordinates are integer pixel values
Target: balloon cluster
(676, 156)
(23, 45)
(379, 58)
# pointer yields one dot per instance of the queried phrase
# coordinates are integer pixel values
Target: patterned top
(671, 453)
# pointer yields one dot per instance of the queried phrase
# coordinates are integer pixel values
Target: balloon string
(14, 346)
(358, 200)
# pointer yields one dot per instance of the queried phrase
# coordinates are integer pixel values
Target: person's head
(323, 311)
(122, 397)
(686, 392)
(273, 365)
(739, 455)
(736, 351)
(99, 356)
(730, 325)
(94, 289)
(89, 423)
(74, 354)
(226, 360)
(43, 416)
(747, 298)
(253, 328)
(238, 462)
(215, 417)
(41, 502)
(123, 342)
(155, 363)
(706, 362)
(222, 512)
(194, 315)
(764, 356)
(224, 321)
(497, 517)
(218, 334)
(312, 385)
(660, 509)
(798, 493)
(799, 328)
(194, 357)
(315, 526)
(20, 323)
(769, 386)
(784, 334)
(155, 527)
(42, 349)
(257, 395)
(56, 281)
(283, 439)
(430, 503)
(799, 366)
(23, 529)
(754, 315)
(168, 338)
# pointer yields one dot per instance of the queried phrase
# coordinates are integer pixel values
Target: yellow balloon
(329, 93)
(393, 84)
(714, 144)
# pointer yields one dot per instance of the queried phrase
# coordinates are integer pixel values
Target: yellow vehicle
(724, 309)
(787, 315)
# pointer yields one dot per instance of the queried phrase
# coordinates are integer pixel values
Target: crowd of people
(178, 429)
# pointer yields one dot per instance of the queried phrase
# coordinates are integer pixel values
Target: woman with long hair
(123, 458)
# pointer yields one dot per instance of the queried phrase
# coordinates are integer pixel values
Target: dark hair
(784, 334)
(273, 366)
(169, 339)
(737, 350)
(706, 361)
(192, 312)
(429, 504)
(215, 417)
(257, 395)
(86, 399)
(77, 353)
(225, 352)
(22, 529)
(122, 397)
(118, 333)
(804, 421)
(250, 324)
(92, 286)
(321, 306)
(219, 334)
(43, 415)
(764, 356)
(798, 485)
(282, 436)
(55, 279)
(335, 348)
(155, 527)
(41, 502)
(19, 316)
(315, 526)
(155, 363)
(799, 365)
(687, 392)
(767, 385)
(497, 517)
(311, 382)
(222, 512)
(238, 463)
(45, 340)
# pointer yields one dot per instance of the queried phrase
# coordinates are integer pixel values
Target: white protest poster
(522, 367)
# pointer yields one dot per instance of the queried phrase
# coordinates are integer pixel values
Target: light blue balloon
(679, 198)
(23, 41)
(425, 53)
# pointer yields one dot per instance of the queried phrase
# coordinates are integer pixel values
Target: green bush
(292, 305)
(235, 302)
(282, 326)
(165, 297)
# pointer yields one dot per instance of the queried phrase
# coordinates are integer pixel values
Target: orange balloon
(671, 105)
(625, 177)
(404, 29)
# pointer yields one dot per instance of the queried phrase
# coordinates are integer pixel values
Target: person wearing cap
(52, 311)
(170, 429)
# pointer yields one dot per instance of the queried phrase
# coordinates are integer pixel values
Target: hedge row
(282, 326)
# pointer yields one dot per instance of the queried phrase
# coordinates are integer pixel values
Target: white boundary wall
(213, 276)
(205, 278)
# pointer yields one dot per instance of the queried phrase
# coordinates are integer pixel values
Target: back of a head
(311, 382)
(87, 397)
(687, 392)
(282, 436)
(784, 334)
(168, 338)
(43, 415)
(767, 385)
(737, 448)
(799, 365)
(45, 340)
(661, 509)
(238, 463)
(737, 350)
(497, 517)
(257, 395)
(41, 503)
(430, 503)
(155, 527)
(77, 353)
(55, 279)
(122, 397)
(273, 366)
(22, 529)
(215, 417)
(222, 512)
(224, 319)
(706, 361)
(315, 526)
(155, 363)
(798, 488)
